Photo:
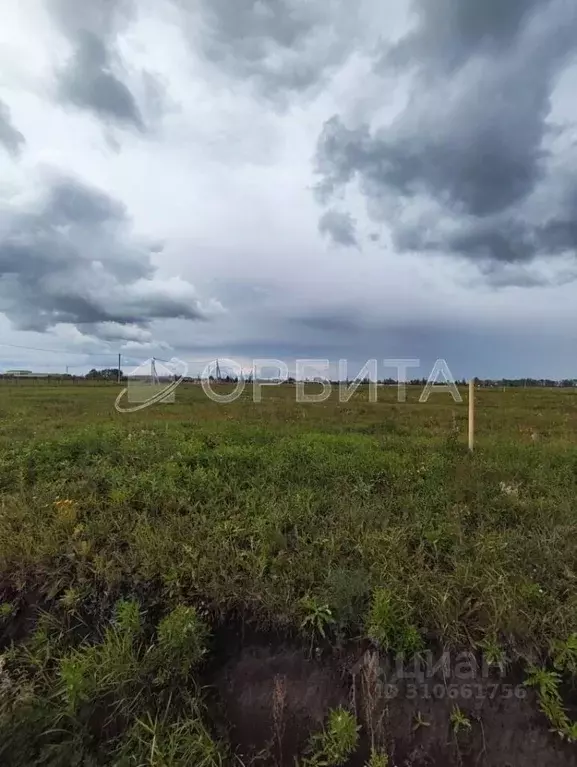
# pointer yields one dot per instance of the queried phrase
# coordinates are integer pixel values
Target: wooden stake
(472, 414)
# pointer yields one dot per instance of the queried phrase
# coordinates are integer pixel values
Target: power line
(58, 351)
(101, 355)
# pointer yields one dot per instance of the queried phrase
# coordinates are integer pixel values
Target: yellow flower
(66, 510)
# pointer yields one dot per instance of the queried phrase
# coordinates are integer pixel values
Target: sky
(289, 179)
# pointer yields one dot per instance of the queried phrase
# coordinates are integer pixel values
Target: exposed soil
(272, 695)
(27, 605)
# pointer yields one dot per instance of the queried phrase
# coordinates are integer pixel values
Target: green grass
(331, 520)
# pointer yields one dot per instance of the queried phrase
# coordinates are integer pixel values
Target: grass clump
(98, 700)
(163, 741)
(389, 626)
(181, 641)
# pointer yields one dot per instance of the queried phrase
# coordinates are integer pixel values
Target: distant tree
(106, 374)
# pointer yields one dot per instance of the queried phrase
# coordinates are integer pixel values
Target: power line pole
(119, 372)
(472, 414)
(153, 373)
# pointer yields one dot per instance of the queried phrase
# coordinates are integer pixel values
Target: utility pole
(472, 414)
(153, 373)
(119, 365)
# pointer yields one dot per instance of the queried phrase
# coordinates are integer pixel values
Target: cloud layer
(291, 178)
(94, 77)
(471, 165)
(10, 138)
(281, 45)
(70, 258)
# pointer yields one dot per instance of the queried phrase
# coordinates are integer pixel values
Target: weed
(181, 642)
(7, 609)
(71, 598)
(377, 759)
(419, 722)
(318, 617)
(388, 624)
(547, 684)
(336, 743)
(166, 741)
(459, 721)
(565, 655)
(494, 653)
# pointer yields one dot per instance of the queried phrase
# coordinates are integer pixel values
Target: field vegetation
(128, 540)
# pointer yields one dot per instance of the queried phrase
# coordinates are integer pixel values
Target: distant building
(31, 374)
(18, 373)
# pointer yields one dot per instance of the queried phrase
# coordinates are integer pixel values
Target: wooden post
(472, 414)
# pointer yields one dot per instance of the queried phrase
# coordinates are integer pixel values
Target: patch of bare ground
(273, 695)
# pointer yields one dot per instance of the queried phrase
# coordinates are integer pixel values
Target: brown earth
(272, 696)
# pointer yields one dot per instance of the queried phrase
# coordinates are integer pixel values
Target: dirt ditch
(273, 695)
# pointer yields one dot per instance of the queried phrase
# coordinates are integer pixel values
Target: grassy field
(127, 539)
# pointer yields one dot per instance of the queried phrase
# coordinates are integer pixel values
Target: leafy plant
(388, 624)
(333, 746)
(128, 618)
(318, 616)
(494, 653)
(565, 655)
(181, 641)
(459, 721)
(377, 759)
(550, 701)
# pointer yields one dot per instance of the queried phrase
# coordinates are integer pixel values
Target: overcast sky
(289, 179)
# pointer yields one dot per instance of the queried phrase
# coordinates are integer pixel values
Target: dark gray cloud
(88, 82)
(460, 168)
(10, 138)
(331, 322)
(279, 45)
(94, 78)
(72, 259)
(449, 32)
(469, 349)
(340, 226)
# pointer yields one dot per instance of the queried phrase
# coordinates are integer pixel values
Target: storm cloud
(340, 226)
(10, 138)
(88, 82)
(71, 258)
(94, 78)
(279, 46)
(347, 180)
(469, 164)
